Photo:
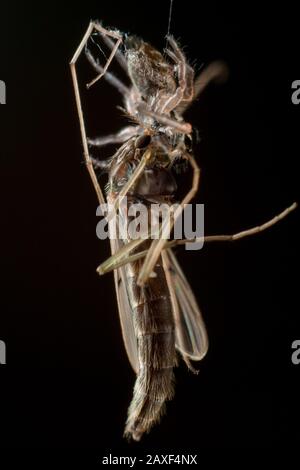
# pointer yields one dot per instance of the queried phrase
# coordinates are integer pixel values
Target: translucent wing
(125, 313)
(190, 332)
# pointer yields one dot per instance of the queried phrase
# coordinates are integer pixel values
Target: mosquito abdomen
(154, 326)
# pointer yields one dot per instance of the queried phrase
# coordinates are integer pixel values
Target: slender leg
(119, 56)
(125, 257)
(87, 157)
(113, 34)
(158, 245)
(128, 131)
(114, 81)
(185, 78)
(121, 257)
(109, 264)
(179, 60)
(217, 71)
(84, 40)
(244, 233)
(125, 134)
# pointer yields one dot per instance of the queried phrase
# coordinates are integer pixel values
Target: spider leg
(185, 78)
(215, 72)
(183, 127)
(158, 245)
(186, 73)
(111, 78)
(122, 136)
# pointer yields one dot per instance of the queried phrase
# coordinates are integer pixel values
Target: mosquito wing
(190, 333)
(125, 312)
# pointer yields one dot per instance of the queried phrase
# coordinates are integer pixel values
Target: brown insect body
(154, 329)
(150, 305)
(158, 310)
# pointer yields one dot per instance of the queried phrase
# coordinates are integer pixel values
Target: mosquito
(158, 311)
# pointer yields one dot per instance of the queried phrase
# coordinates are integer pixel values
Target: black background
(67, 382)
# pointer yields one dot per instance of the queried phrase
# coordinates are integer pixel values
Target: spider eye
(142, 141)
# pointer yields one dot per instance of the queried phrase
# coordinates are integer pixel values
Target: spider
(158, 310)
(161, 91)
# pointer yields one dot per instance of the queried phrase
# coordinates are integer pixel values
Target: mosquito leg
(119, 138)
(122, 257)
(244, 233)
(112, 262)
(125, 257)
(114, 81)
(113, 34)
(74, 59)
(217, 71)
(158, 245)
(119, 56)
(87, 157)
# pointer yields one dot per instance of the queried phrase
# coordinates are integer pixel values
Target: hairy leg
(183, 127)
(122, 136)
(185, 79)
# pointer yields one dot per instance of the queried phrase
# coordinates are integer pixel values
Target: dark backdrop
(67, 382)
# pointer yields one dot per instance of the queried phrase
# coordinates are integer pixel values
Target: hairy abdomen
(154, 329)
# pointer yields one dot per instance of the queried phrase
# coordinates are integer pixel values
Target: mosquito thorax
(142, 141)
(156, 182)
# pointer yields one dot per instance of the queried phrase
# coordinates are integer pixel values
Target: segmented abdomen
(154, 328)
